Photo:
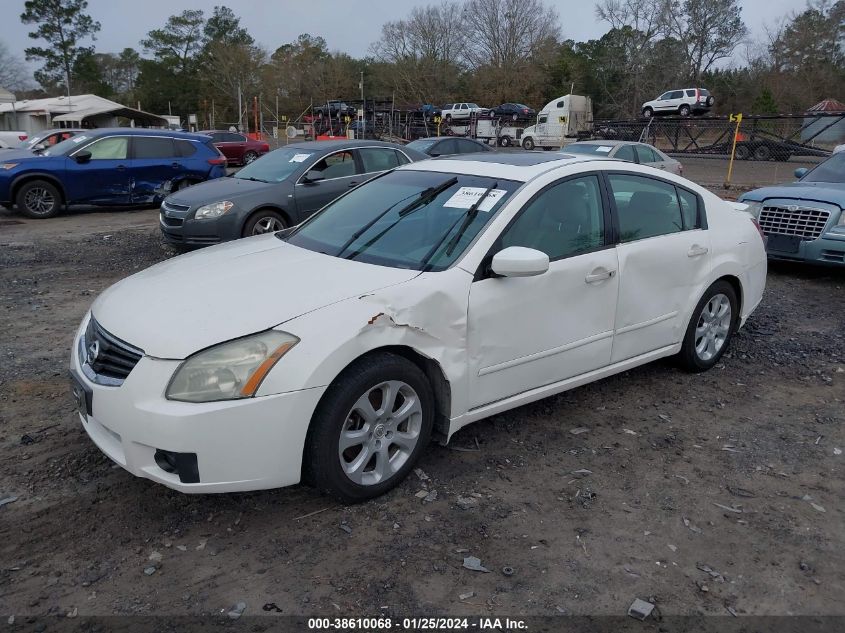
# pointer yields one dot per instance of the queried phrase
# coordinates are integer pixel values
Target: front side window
(337, 165)
(110, 148)
(377, 159)
(417, 220)
(646, 207)
(152, 147)
(564, 220)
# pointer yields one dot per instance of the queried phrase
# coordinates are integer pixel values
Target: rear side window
(626, 152)
(690, 93)
(468, 147)
(376, 159)
(231, 137)
(218, 137)
(401, 158)
(186, 148)
(689, 209)
(646, 207)
(647, 155)
(445, 148)
(152, 147)
(677, 94)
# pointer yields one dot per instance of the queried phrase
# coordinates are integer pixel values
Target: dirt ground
(704, 493)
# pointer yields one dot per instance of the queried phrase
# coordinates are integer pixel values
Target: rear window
(704, 92)
(587, 148)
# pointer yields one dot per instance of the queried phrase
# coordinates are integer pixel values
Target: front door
(105, 178)
(527, 332)
(663, 262)
(326, 180)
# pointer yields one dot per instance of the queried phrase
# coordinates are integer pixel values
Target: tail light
(22, 137)
(759, 229)
(265, 147)
(697, 95)
(220, 160)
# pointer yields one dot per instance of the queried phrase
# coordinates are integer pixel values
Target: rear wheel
(762, 153)
(528, 143)
(709, 331)
(39, 199)
(249, 157)
(264, 221)
(684, 110)
(742, 152)
(369, 429)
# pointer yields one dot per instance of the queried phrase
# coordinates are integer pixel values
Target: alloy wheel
(267, 225)
(39, 200)
(713, 327)
(380, 432)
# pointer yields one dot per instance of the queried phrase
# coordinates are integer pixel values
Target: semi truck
(567, 117)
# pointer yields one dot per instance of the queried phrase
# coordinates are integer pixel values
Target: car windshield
(587, 148)
(30, 143)
(417, 220)
(67, 145)
(831, 170)
(421, 144)
(276, 166)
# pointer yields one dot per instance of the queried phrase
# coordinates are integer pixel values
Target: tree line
(487, 51)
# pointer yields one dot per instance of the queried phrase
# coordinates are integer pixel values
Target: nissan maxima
(435, 295)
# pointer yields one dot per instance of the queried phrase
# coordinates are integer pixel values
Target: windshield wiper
(252, 178)
(426, 196)
(468, 217)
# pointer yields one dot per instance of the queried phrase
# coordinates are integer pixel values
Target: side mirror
(801, 172)
(40, 147)
(434, 154)
(82, 157)
(518, 261)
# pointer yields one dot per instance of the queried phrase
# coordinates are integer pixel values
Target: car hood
(191, 302)
(219, 189)
(18, 155)
(830, 192)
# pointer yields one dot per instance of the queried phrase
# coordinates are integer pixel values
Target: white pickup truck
(11, 139)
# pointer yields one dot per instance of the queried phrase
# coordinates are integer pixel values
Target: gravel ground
(704, 493)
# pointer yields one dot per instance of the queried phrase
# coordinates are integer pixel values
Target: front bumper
(248, 444)
(827, 250)
(186, 231)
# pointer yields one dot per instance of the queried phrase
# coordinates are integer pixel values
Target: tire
(710, 329)
(710, 101)
(648, 113)
(249, 157)
(448, 119)
(371, 467)
(264, 221)
(39, 199)
(762, 152)
(684, 110)
(742, 152)
(528, 144)
(505, 141)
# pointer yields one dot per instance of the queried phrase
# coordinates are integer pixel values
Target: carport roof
(6, 96)
(76, 109)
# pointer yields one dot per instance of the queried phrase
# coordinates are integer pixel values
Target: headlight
(229, 371)
(754, 208)
(841, 218)
(8, 166)
(213, 210)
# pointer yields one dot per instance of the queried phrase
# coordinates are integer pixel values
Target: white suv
(461, 110)
(682, 102)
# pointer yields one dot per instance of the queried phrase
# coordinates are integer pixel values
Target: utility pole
(363, 115)
(240, 109)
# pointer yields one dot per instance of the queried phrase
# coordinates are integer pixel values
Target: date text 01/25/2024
(415, 624)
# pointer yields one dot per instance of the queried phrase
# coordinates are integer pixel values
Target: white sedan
(432, 296)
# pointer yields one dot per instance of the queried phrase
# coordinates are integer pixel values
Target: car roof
(612, 143)
(445, 138)
(141, 131)
(519, 166)
(340, 143)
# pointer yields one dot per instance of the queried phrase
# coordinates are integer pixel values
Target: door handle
(354, 183)
(175, 165)
(695, 250)
(599, 274)
(121, 168)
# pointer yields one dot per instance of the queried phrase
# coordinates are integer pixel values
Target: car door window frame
(355, 159)
(609, 233)
(103, 138)
(645, 149)
(360, 155)
(701, 214)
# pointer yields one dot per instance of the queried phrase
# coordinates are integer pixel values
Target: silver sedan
(626, 150)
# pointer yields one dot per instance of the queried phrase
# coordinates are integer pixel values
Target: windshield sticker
(79, 139)
(299, 158)
(465, 197)
(604, 148)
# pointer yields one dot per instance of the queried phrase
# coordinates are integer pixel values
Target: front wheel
(528, 144)
(266, 221)
(505, 141)
(762, 153)
(39, 199)
(648, 113)
(742, 152)
(369, 429)
(709, 331)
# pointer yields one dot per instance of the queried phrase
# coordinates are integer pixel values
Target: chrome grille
(804, 222)
(178, 208)
(106, 359)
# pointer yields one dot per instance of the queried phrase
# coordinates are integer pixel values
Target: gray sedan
(627, 150)
(278, 190)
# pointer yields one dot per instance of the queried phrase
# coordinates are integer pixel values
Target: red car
(238, 148)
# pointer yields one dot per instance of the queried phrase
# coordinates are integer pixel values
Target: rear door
(327, 179)
(155, 168)
(664, 261)
(647, 156)
(105, 178)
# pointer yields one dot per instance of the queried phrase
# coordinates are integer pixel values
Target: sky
(348, 26)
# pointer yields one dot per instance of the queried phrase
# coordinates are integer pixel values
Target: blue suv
(107, 167)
